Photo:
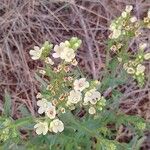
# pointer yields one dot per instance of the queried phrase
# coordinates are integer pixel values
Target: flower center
(51, 112)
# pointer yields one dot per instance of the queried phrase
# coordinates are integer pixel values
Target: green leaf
(24, 111)
(7, 104)
(38, 78)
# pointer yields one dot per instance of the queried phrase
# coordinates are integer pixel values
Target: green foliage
(7, 104)
(76, 112)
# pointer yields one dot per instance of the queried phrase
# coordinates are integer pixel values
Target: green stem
(23, 121)
(92, 133)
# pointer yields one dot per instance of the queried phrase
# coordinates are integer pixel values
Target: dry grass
(25, 23)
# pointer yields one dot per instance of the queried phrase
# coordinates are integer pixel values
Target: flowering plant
(65, 92)
(75, 112)
(124, 29)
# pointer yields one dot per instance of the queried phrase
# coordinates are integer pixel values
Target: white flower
(39, 95)
(133, 19)
(92, 110)
(128, 8)
(112, 26)
(142, 46)
(85, 103)
(63, 110)
(41, 128)
(56, 126)
(116, 33)
(43, 72)
(74, 97)
(68, 54)
(119, 59)
(92, 96)
(43, 104)
(140, 69)
(49, 61)
(50, 111)
(70, 105)
(97, 82)
(74, 62)
(130, 70)
(147, 56)
(36, 53)
(148, 14)
(81, 84)
(60, 48)
(124, 14)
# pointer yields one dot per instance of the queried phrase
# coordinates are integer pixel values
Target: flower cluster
(40, 53)
(85, 95)
(65, 50)
(122, 30)
(67, 94)
(36, 53)
(124, 25)
(135, 67)
(49, 109)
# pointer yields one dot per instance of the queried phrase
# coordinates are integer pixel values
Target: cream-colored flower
(43, 72)
(63, 110)
(130, 70)
(116, 33)
(56, 126)
(70, 78)
(41, 128)
(74, 97)
(140, 69)
(97, 82)
(49, 87)
(112, 26)
(55, 102)
(66, 69)
(113, 48)
(92, 96)
(142, 46)
(68, 54)
(128, 8)
(133, 19)
(39, 95)
(74, 62)
(124, 14)
(147, 56)
(49, 61)
(148, 26)
(148, 14)
(36, 53)
(81, 84)
(146, 20)
(70, 105)
(92, 110)
(50, 111)
(43, 104)
(119, 59)
(119, 45)
(85, 103)
(60, 48)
